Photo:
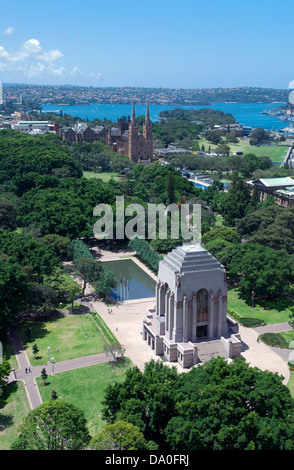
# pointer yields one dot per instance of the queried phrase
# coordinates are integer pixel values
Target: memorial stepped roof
(191, 258)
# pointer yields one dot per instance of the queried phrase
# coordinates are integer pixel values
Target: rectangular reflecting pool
(136, 283)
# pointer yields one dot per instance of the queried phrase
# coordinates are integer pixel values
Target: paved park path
(29, 377)
(125, 321)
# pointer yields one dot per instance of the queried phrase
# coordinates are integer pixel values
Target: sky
(154, 43)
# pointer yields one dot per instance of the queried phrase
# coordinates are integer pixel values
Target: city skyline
(170, 45)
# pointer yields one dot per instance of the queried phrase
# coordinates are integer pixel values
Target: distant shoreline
(247, 114)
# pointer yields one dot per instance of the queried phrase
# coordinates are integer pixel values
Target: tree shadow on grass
(7, 419)
(280, 304)
(33, 330)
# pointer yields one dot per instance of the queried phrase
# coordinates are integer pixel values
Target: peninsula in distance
(79, 95)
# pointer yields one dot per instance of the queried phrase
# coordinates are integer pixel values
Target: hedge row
(107, 333)
(78, 249)
(145, 252)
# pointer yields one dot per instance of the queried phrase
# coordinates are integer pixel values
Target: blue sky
(173, 44)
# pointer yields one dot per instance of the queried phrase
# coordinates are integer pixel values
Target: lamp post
(52, 365)
(48, 354)
(86, 335)
(252, 298)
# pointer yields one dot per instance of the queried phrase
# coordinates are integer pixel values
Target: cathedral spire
(147, 117)
(133, 119)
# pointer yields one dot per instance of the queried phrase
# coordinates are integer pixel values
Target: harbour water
(247, 114)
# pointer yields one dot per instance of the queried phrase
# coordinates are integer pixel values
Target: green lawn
(275, 312)
(84, 388)
(288, 336)
(290, 384)
(275, 153)
(66, 338)
(12, 412)
(104, 176)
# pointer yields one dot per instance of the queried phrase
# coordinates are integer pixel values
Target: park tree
(89, 270)
(44, 375)
(63, 284)
(221, 406)
(261, 269)
(255, 197)
(79, 249)
(237, 202)
(54, 425)
(15, 289)
(54, 395)
(271, 226)
(170, 188)
(223, 250)
(225, 233)
(59, 243)
(5, 369)
(44, 299)
(27, 251)
(71, 290)
(114, 349)
(215, 406)
(8, 213)
(35, 349)
(121, 436)
(106, 282)
(259, 136)
(144, 399)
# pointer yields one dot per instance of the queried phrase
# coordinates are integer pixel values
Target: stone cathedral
(126, 139)
(189, 323)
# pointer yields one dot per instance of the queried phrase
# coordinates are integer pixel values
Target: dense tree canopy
(271, 226)
(265, 271)
(121, 436)
(21, 154)
(215, 406)
(55, 425)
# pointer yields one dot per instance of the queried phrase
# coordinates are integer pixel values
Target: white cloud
(51, 56)
(3, 53)
(8, 31)
(60, 72)
(31, 60)
(95, 76)
(76, 71)
(3, 67)
(32, 46)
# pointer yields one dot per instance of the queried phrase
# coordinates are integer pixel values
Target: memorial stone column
(220, 315)
(210, 315)
(171, 314)
(185, 319)
(194, 318)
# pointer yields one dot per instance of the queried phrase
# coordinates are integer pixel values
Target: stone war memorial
(189, 323)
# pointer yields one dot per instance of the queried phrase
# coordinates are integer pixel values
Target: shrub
(251, 322)
(274, 339)
(78, 249)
